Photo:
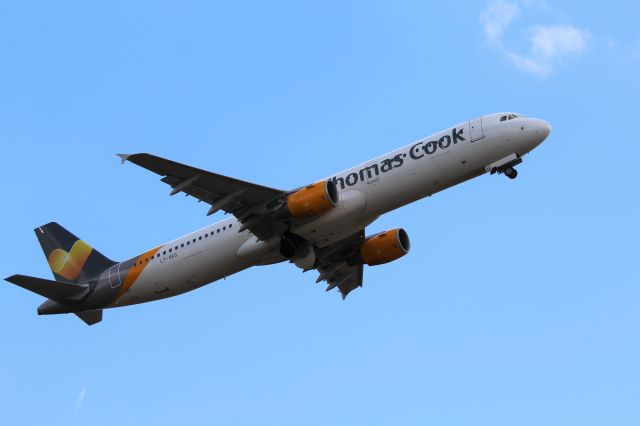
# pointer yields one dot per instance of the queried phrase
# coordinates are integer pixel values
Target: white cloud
(547, 44)
(552, 42)
(497, 18)
(80, 400)
(530, 65)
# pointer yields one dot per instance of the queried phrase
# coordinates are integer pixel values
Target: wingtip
(123, 157)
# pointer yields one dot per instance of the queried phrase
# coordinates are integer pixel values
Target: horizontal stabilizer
(55, 290)
(90, 317)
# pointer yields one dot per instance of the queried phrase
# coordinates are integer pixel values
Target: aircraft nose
(546, 128)
(542, 129)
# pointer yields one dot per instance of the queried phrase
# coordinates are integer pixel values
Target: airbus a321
(319, 227)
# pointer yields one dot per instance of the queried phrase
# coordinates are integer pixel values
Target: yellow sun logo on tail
(69, 264)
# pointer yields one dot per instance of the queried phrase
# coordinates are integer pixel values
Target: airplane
(319, 226)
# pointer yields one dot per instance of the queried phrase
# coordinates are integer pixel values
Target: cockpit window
(509, 117)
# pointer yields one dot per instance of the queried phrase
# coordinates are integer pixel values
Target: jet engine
(313, 200)
(382, 248)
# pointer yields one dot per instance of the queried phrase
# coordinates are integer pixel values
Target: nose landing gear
(506, 166)
(510, 172)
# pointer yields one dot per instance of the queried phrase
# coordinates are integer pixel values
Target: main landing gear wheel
(510, 172)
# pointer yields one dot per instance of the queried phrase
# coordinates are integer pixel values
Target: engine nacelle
(383, 248)
(313, 200)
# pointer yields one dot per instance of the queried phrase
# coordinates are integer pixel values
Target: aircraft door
(475, 129)
(114, 276)
(192, 265)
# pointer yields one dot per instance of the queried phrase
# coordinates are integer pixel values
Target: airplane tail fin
(71, 260)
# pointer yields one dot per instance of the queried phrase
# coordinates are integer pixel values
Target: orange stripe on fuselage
(135, 270)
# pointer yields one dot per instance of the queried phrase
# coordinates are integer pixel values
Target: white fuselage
(367, 191)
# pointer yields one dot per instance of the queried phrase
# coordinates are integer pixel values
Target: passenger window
(194, 240)
(170, 250)
(188, 242)
(218, 230)
(200, 237)
(164, 252)
(224, 228)
(229, 226)
(206, 235)
(182, 245)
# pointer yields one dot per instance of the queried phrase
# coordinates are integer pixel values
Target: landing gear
(510, 172)
(292, 246)
(506, 166)
(288, 248)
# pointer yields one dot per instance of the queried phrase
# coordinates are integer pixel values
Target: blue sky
(518, 304)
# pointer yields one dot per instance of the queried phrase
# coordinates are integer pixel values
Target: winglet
(123, 157)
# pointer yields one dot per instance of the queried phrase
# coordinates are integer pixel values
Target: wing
(251, 204)
(333, 266)
(247, 201)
